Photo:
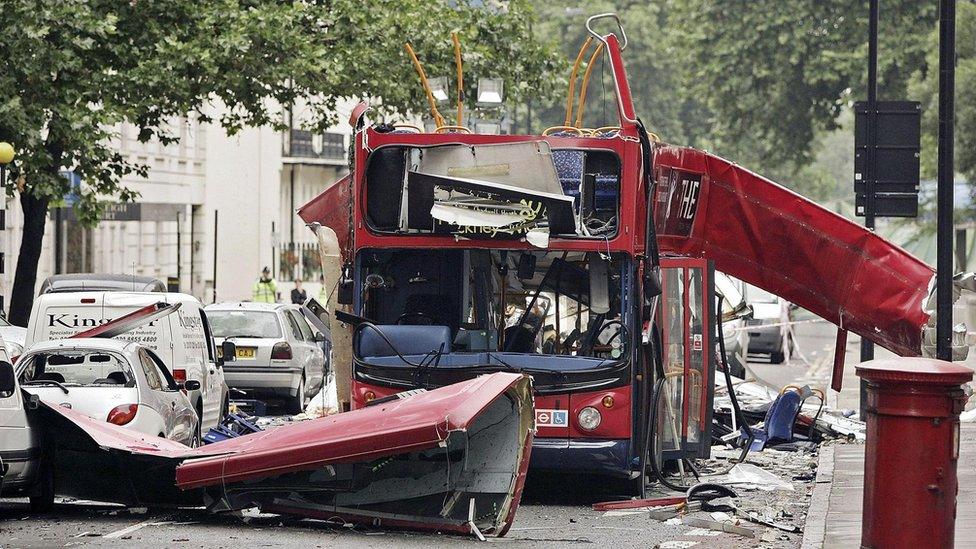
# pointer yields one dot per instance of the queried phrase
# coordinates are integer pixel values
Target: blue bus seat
(408, 340)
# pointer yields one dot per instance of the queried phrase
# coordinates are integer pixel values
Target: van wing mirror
(8, 380)
(228, 351)
(191, 385)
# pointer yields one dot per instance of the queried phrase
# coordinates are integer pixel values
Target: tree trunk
(25, 279)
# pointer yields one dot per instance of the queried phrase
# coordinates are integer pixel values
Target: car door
(184, 417)
(156, 392)
(315, 365)
(301, 354)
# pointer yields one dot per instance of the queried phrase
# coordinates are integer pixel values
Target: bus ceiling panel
(773, 238)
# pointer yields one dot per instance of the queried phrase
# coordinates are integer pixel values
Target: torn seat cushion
(408, 340)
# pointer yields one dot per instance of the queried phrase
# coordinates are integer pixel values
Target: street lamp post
(7, 154)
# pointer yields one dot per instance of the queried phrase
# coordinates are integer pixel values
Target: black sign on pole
(886, 160)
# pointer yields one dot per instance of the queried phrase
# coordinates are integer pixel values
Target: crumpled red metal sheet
(333, 208)
(419, 462)
(421, 421)
(773, 238)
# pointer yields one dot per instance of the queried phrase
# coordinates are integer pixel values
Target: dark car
(84, 282)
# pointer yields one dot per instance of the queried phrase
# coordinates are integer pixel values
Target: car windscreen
(82, 367)
(257, 324)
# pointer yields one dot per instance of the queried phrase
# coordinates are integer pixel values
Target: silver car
(278, 353)
(111, 380)
(769, 327)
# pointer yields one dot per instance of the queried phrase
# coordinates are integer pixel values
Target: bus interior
(510, 309)
(499, 191)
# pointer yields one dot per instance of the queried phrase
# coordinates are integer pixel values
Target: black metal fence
(299, 260)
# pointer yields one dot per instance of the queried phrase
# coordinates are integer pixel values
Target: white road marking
(133, 528)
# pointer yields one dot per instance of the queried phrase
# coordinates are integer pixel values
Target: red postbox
(912, 450)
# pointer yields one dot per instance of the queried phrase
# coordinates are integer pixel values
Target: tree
(924, 87)
(774, 75)
(72, 70)
(653, 67)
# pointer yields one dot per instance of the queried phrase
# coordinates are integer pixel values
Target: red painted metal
(638, 503)
(130, 321)
(359, 390)
(910, 483)
(419, 422)
(628, 151)
(686, 380)
(840, 352)
(331, 208)
(773, 238)
(552, 402)
(615, 422)
(625, 102)
(357, 113)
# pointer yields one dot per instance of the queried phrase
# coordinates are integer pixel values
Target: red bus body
(707, 214)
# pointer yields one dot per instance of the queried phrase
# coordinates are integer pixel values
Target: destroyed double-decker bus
(585, 258)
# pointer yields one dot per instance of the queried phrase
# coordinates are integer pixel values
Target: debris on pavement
(232, 426)
(748, 475)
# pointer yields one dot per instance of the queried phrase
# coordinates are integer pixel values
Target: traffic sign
(887, 141)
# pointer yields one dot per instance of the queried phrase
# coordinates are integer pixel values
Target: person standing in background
(298, 295)
(323, 292)
(265, 289)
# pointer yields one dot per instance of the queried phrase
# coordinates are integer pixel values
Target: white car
(182, 339)
(115, 381)
(278, 353)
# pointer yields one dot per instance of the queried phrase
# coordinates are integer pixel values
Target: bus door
(683, 409)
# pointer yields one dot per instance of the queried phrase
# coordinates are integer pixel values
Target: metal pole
(179, 245)
(867, 346)
(215, 258)
(58, 241)
(947, 83)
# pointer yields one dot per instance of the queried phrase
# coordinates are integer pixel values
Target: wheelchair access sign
(552, 418)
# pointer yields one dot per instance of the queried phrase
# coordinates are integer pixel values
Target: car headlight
(589, 418)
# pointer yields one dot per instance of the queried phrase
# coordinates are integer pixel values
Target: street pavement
(555, 511)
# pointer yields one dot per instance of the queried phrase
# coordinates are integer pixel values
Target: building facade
(213, 211)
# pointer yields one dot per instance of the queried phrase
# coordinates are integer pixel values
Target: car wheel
(42, 497)
(297, 403)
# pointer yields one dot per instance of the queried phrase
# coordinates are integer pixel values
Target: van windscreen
(258, 324)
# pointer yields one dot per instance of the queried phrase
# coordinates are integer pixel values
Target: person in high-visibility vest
(265, 289)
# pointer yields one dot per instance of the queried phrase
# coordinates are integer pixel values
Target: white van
(183, 339)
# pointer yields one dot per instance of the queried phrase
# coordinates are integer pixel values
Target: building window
(326, 146)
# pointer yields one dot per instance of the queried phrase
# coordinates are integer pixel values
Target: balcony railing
(321, 146)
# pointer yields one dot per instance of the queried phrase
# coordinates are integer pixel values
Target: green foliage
(774, 74)
(924, 87)
(73, 69)
(654, 67)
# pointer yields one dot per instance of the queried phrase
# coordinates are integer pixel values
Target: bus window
(498, 192)
(501, 300)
